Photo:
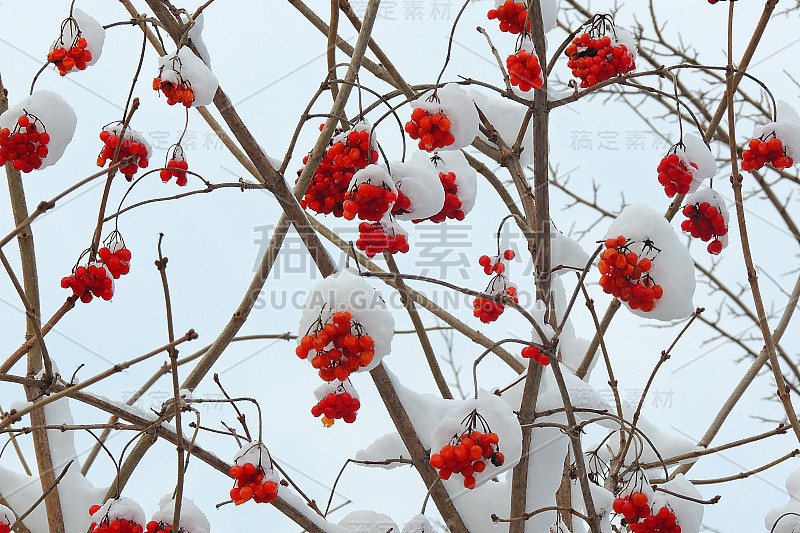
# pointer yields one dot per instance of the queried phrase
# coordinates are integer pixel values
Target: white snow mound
(185, 67)
(89, 29)
(460, 110)
(192, 518)
(418, 180)
(347, 291)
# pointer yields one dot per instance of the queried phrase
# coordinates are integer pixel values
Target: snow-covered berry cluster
(468, 451)
(370, 195)
(119, 525)
(66, 59)
(336, 400)
(512, 17)
(596, 56)
(177, 93)
(253, 474)
(117, 515)
(25, 145)
(131, 145)
(252, 482)
(626, 276)
(352, 348)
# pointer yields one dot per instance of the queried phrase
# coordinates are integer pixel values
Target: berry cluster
(175, 168)
(119, 525)
(532, 352)
(374, 238)
(117, 262)
(129, 147)
(89, 281)
(251, 482)
(337, 405)
(432, 130)
(66, 59)
(594, 60)
(158, 527)
(25, 146)
(674, 175)
(704, 221)
(761, 152)
(626, 277)
(350, 351)
(633, 508)
(494, 265)
(512, 16)
(661, 522)
(401, 205)
(489, 310)
(525, 71)
(466, 455)
(368, 201)
(180, 92)
(326, 192)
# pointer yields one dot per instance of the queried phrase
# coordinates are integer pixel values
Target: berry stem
(752, 276)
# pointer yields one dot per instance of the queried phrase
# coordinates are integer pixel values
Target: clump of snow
(466, 178)
(335, 387)
(673, 268)
(56, 117)
(368, 522)
(419, 181)
(130, 134)
(120, 509)
(506, 116)
(688, 514)
(192, 518)
(76, 493)
(698, 153)
(6, 515)
(787, 129)
(390, 446)
(347, 291)
(500, 419)
(185, 68)
(626, 38)
(787, 523)
(712, 197)
(566, 251)
(196, 38)
(88, 28)
(667, 444)
(254, 453)
(418, 524)
(374, 175)
(460, 110)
